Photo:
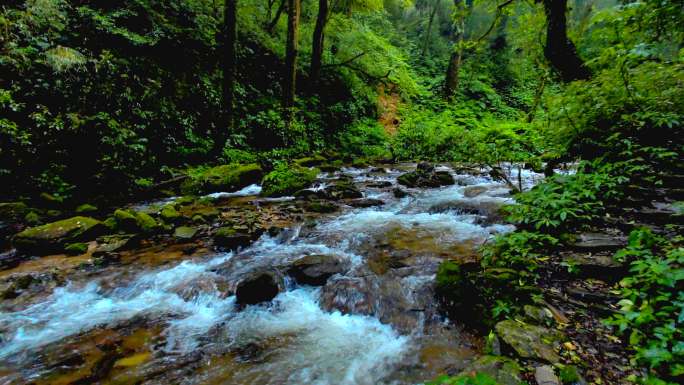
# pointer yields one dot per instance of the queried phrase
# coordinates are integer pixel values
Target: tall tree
(559, 50)
(290, 78)
(428, 33)
(318, 39)
(452, 79)
(229, 64)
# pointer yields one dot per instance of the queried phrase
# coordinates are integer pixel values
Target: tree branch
(344, 63)
(499, 11)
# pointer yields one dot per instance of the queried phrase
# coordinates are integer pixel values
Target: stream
(178, 322)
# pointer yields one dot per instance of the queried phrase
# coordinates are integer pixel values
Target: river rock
(365, 202)
(349, 295)
(315, 269)
(114, 243)
(399, 193)
(490, 209)
(322, 207)
(342, 190)
(473, 191)
(231, 239)
(51, 237)
(504, 370)
(425, 176)
(185, 232)
(259, 286)
(223, 178)
(599, 242)
(530, 341)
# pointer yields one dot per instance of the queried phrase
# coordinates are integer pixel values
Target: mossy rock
(205, 211)
(286, 180)
(530, 341)
(228, 238)
(169, 214)
(185, 232)
(310, 161)
(86, 209)
(125, 220)
(222, 178)
(135, 221)
(504, 370)
(13, 210)
(76, 248)
(51, 237)
(320, 207)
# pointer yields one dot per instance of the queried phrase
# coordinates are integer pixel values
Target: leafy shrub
(365, 138)
(652, 308)
(567, 202)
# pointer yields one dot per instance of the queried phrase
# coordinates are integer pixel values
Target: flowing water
(178, 323)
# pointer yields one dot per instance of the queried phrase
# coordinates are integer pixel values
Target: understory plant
(651, 313)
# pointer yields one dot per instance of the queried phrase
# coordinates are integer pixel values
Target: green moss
(86, 208)
(310, 161)
(146, 223)
(76, 248)
(125, 220)
(286, 180)
(169, 214)
(221, 178)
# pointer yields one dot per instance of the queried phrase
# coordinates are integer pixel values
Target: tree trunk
(559, 50)
(451, 82)
(429, 29)
(229, 64)
(290, 78)
(318, 39)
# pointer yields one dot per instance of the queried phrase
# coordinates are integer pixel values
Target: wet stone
(544, 375)
(315, 269)
(258, 287)
(365, 202)
(599, 241)
(530, 341)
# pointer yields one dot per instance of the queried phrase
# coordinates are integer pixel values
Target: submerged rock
(426, 176)
(315, 269)
(258, 287)
(530, 341)
(51, 237)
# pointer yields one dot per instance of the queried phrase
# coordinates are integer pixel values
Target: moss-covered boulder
(135, 221)
(222, 178)
(286, 180)
(169, 214)
(530, 341)
(51, 237)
